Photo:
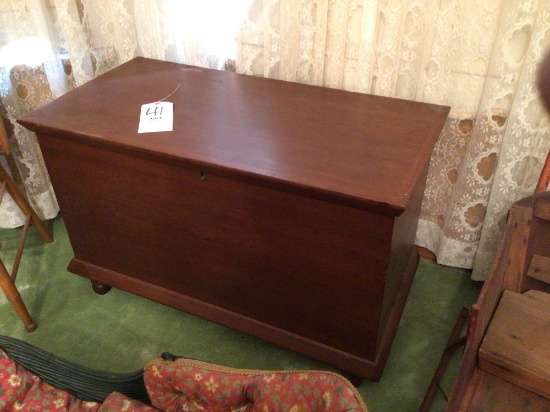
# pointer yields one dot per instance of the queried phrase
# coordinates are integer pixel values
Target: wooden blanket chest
(283, 210)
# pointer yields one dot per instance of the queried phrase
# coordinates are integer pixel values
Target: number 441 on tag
(156, 117)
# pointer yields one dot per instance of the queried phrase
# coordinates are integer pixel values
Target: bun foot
(100, 288)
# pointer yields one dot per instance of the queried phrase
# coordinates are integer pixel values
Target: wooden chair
(7, 280)
(514, 299)
(521, 264)
(505, 364)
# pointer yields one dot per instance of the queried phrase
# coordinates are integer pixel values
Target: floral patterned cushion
(190, 385)
(119, 402)
(24, 391)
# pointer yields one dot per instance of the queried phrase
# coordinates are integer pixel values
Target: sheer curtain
(477, 56)
(48, 47)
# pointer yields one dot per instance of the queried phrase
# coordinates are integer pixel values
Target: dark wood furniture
(282, 210)
(7, 279)
(505, 365)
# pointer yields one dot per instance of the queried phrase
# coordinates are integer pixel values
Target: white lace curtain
(477, 56)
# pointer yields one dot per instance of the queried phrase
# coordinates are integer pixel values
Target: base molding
(351, 365)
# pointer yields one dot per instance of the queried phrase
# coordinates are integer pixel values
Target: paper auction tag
(156, 117)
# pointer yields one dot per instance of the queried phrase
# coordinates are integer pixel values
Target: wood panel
(492, 394)
(4, 143)
(537, 243)
(543, 212)
(517, 342)
(540, 268)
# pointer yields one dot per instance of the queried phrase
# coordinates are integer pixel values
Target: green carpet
(120, 332)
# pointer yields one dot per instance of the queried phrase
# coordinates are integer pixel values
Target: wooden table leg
(24, 205)
(14, 297)
(455, 342)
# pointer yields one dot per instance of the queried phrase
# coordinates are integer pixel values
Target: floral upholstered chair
(34, 380)
(191, 385)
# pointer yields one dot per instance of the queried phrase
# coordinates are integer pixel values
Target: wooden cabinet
(283, 210)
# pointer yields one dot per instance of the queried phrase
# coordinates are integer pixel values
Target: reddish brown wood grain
(4, 143)
(283, 210)
(517, 342)
(366, 148)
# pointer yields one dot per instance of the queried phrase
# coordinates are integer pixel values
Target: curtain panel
(478, 56)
